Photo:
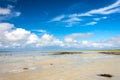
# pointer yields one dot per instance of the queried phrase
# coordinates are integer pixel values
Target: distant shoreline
(61, 50)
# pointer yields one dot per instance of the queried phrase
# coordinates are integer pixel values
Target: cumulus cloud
(12, 37)
(73, 41)
(17, 34)
(49, 40)
(5, 26)
(71, 37)
(32, 39)
(112, 43)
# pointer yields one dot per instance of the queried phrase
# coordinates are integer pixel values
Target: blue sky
(59, 24)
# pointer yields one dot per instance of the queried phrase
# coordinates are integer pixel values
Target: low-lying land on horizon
(114, 52)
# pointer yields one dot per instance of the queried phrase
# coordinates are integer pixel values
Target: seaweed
(63, 53)
(25, 68)
(113, 53)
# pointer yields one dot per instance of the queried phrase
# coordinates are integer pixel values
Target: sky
(59, 24)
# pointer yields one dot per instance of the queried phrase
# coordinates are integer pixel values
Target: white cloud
(42, 31)
(96, 19)
(17, 13)
(70, 24)
(7, 10)
(49, 40)
(8, 13)
(32, 39)
(17, 34)
(112, 43)
(5, 26)
(73, 19)
(4, 11)
(71, 37)
(113, 8)
(100, 18)
(78, 17)
(12, 37)
(91, 23)
(58, 18)
(70, 20)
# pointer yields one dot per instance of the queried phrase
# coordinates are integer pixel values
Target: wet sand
(76, 67)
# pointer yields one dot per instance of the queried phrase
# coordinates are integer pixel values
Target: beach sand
(61, 68)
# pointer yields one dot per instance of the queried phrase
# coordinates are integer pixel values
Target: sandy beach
(61, 67)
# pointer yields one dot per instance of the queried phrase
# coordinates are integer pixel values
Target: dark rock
(51, 64)
(105, 75)
(25, 68)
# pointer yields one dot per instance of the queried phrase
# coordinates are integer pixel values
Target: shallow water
(10, 57)
(22, 53)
